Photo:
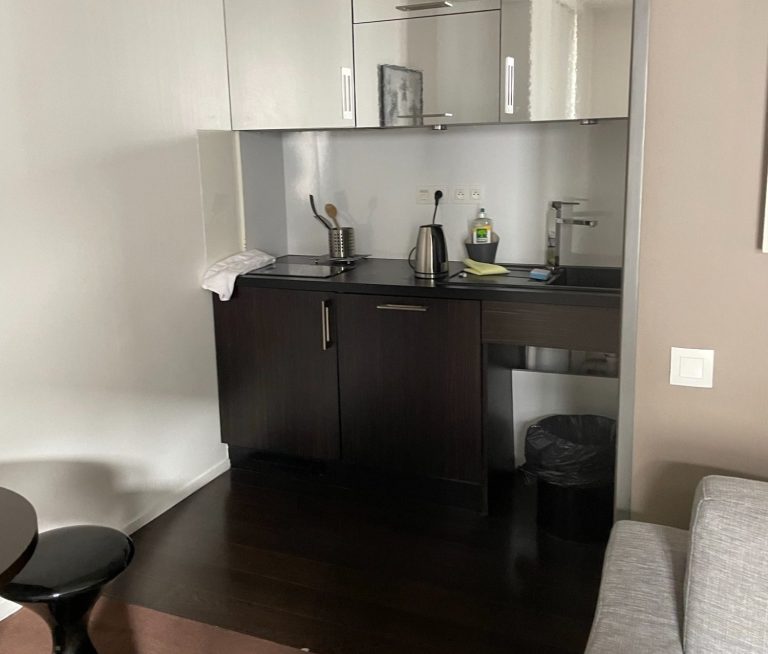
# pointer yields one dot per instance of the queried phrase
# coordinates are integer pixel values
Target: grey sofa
(703, 591)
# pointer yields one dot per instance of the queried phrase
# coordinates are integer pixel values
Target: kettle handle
(410, 258)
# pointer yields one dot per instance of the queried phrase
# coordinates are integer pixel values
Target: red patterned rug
(118, 628)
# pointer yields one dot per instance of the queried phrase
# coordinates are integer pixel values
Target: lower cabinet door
(278, 374)
(410, 385)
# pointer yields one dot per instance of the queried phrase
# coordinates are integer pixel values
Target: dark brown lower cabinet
(410, 385)
(278, 374)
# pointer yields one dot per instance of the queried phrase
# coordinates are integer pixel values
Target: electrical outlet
(460, 194)
(424, 195)
(476, 193)
(442, 188)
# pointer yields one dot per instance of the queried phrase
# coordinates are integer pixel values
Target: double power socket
(458, 194)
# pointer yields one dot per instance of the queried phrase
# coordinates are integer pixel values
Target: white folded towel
(220, 277)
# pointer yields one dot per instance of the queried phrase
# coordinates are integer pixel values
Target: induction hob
(298, 270)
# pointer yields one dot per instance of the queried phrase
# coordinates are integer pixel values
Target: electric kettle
(431, 260)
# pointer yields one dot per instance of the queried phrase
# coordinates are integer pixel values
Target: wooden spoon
(332, 212)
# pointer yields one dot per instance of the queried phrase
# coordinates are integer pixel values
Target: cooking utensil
(332, 212)
(322, 219)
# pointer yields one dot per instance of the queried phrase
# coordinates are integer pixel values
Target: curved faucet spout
(553, 235)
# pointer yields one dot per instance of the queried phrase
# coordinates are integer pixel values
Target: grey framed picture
(401, 96)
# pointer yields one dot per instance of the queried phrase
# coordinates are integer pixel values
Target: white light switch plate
(690, 367)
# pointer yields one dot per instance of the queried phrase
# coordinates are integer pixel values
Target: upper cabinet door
(426, 71)
(290, 63)
(565, 60)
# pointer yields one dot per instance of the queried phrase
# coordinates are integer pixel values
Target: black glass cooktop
(298, 270)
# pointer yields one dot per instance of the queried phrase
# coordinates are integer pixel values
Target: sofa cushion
(641, 592)
(726, 593)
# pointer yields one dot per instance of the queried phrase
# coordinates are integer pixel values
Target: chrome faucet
(553, 231)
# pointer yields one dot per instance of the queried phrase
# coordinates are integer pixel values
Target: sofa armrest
(639, 609)
(726, 589)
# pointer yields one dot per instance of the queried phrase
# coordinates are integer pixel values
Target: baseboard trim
(171, 499)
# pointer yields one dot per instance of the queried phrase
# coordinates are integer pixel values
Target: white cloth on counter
(220, 277)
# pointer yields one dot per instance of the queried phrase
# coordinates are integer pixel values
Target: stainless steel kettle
(431, 260)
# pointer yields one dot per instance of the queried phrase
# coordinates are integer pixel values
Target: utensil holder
(341, 242)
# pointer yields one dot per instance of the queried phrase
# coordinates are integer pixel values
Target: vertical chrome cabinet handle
(425, 5)
(347, 110)
(326, 322)
(509, 85)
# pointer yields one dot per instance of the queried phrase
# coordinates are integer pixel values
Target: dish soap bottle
(482, 228)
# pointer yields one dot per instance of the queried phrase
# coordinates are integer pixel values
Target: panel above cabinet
(416, 72)
(366, 11)
(290, 64)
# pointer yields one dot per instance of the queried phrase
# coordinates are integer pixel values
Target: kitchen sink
(587, 277)
(581, 278)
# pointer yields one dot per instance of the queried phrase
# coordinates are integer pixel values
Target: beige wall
(703, 280)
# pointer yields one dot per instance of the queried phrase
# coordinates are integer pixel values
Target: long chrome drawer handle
(425, 5)
(444, 115)
(402, 307)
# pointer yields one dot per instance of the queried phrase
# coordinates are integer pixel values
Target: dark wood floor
(316, 566)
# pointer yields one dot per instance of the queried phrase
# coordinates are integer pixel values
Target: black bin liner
(574, 451)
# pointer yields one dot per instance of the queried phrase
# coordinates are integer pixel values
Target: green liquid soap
(482, 228)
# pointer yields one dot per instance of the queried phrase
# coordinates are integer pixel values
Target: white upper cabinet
(565, 60)
(429, 70)
(367, 11)
(426, 62)
(290, 64)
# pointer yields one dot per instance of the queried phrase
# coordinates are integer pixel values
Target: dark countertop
(395, 277)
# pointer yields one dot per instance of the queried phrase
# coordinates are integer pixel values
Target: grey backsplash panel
(264, 214)
(372, 176)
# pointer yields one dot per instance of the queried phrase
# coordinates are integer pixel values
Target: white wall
(222, 193)
(372, 177)
(108, 402)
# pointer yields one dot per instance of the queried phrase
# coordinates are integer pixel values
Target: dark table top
(395, 277)
(18, 534)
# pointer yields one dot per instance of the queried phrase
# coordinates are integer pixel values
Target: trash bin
(573, 459)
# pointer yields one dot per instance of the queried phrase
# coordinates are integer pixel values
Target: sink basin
(607, 280)
(586, 277)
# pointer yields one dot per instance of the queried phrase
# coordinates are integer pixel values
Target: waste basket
(573, 459)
